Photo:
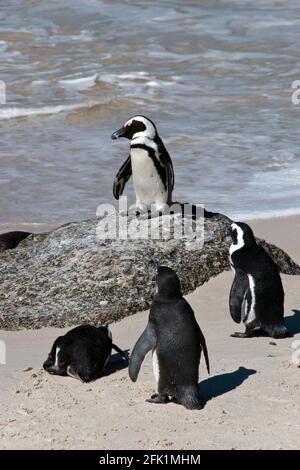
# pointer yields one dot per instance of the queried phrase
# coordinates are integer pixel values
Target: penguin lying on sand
(149, 164)
(176, 341)
(256, 295)
(82, 353)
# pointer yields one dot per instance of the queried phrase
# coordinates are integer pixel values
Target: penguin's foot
(157, 210)
(150, 215)
(249, 332)
(143, 215)
(153, 215)
(158, 398)
(137, 210)
(123, 213)
(133, 211)
(237, 334)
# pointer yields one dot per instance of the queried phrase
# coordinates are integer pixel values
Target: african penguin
(82, 353)
(11, 240)
(256, 294)
(150, 165)
(176, 341)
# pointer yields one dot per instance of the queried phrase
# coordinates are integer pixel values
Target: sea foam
(15, 112)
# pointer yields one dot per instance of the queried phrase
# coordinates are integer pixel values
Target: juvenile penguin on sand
(176, 341)
(82, 353)
(256, 295)
(149, 164)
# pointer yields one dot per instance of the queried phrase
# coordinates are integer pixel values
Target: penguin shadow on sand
(293, 322)
(223, 383)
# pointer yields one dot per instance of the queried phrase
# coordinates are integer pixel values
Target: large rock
(71, 275)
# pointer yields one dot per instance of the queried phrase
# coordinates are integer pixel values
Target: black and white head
(137, 126)
(167, 283)
(241, 235)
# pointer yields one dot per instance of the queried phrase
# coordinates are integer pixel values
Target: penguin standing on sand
(256, 295)
(149, 164)
(82, 353)
(176, 341)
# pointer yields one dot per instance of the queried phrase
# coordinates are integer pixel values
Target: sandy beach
(252, 395)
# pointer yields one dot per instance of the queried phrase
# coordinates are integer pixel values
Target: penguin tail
(278, 331)
(189, 398)
(124, 354)
(206, 358)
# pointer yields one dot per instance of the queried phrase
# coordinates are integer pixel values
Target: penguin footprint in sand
(256, 295)
(82, 353)
(149, 164)
(176, 341)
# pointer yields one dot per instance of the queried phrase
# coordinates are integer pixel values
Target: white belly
(155, 366)
(148, 186)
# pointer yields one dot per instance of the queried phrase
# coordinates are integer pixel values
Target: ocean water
(215, 76)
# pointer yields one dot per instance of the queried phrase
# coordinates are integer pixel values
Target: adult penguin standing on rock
(149, 164)
(256, 295)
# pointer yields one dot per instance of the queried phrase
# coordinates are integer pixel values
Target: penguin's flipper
(246, 305)
(145, 343)
(124, 354)
(200, 337)
(205, 352)
(122, 177)
(168, 169)
(170, 179)
(237, 294)
(158, 398)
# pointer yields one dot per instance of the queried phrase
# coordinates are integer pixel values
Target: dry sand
(252, 395)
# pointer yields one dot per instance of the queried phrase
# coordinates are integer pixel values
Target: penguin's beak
(119, 133)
